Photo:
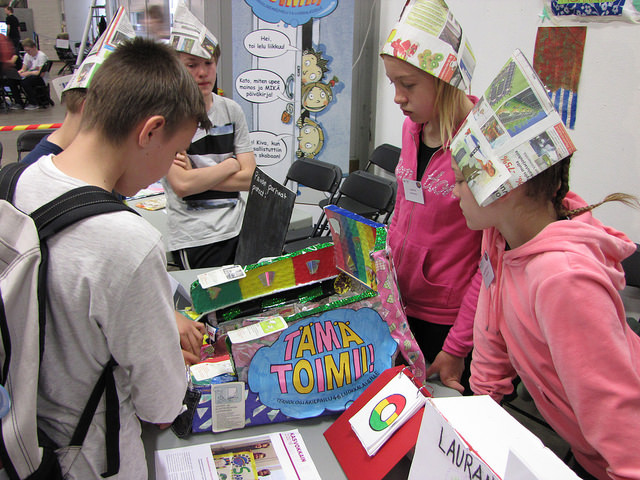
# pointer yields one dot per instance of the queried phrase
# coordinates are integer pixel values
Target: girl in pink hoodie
(435, 255)
(549, 311)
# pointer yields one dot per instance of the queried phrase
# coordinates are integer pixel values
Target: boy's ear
(150, 127)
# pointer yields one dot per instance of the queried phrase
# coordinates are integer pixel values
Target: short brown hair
(27, 42)
(139, 79)
(73, 99)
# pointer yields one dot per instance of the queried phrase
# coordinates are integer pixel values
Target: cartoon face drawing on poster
(316, 96)
(310, 139)
(313, 66)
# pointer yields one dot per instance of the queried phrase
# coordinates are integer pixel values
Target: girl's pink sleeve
(459, 341)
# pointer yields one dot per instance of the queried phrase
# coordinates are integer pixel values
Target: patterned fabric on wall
(558, 62)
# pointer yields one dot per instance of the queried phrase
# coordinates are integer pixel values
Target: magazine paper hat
(511, 134)
(190, 36)
(118, 31)
(429, 37)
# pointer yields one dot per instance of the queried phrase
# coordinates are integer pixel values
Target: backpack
(25, 451)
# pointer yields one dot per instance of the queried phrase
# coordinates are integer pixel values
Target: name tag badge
(413, 191)
(487, 270)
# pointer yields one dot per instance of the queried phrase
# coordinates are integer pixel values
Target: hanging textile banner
(598, 11)
(558, 61)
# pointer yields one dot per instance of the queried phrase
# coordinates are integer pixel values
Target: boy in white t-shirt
(108, 291)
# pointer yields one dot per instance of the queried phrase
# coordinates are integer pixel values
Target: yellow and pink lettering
(306, 342)
(338, 375)
(281, 371)
(348, 335)
(303, 366)
(326, 339)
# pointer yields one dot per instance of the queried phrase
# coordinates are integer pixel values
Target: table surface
(311, 429)
(300, 219)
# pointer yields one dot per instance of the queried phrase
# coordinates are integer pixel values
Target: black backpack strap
(9, 175)
(51, 218)
(75, 205)
(106, 383)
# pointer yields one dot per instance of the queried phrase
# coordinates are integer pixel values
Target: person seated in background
(33, 61)
(10, 76)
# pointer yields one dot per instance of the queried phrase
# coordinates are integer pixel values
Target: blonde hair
(448, 102)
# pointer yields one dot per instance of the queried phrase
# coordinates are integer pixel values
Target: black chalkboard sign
(266, 219)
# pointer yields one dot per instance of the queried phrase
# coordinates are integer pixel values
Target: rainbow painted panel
(306, 266)
(355, 238)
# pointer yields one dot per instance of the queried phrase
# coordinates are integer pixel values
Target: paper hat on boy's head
(511, 134)
(190, 36)
(118, 31)
(428, 37)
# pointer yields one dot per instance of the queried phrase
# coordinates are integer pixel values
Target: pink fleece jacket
(436, 256)
(553, 316)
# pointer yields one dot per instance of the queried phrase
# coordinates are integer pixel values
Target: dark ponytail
(553, 184)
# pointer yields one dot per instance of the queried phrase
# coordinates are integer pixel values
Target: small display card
(221, 275)
(387, 411)
(266, 326)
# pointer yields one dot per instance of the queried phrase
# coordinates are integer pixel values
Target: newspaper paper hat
(429, 37)
(511, 134)
(190, 36)
(118, 31)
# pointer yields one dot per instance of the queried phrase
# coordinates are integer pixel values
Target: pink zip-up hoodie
(435, 254)
(553, 316)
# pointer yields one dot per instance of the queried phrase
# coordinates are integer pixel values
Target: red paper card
(347, 448)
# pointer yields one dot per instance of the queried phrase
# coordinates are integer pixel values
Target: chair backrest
(28, 139)
(631, 266)
(385, 156)
(370, 190)
(321, 176)
(45, 68)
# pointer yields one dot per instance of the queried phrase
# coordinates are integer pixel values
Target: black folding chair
(43, 92)
(28, 140)
(361, 191)
(385, 156)
(319, 176)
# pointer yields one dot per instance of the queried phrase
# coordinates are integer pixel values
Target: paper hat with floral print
(118, 31)
(511, 134)
(190, 36)
(428, 37)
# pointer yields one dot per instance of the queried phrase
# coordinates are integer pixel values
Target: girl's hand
(450, 369)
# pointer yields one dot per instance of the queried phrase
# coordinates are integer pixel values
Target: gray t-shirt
(189, 227)
(108, 294)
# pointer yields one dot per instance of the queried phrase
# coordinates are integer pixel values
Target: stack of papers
(386, 412)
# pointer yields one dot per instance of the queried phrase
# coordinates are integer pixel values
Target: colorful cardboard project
(341, 332)
(473, 437)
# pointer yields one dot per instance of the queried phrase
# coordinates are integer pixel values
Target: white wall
(608, 117)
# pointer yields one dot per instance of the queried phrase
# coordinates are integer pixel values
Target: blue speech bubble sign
(322, 363)
(290, 12)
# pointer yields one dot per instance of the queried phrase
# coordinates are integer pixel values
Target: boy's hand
(182, 161)
(450, 369)
(191, 334)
